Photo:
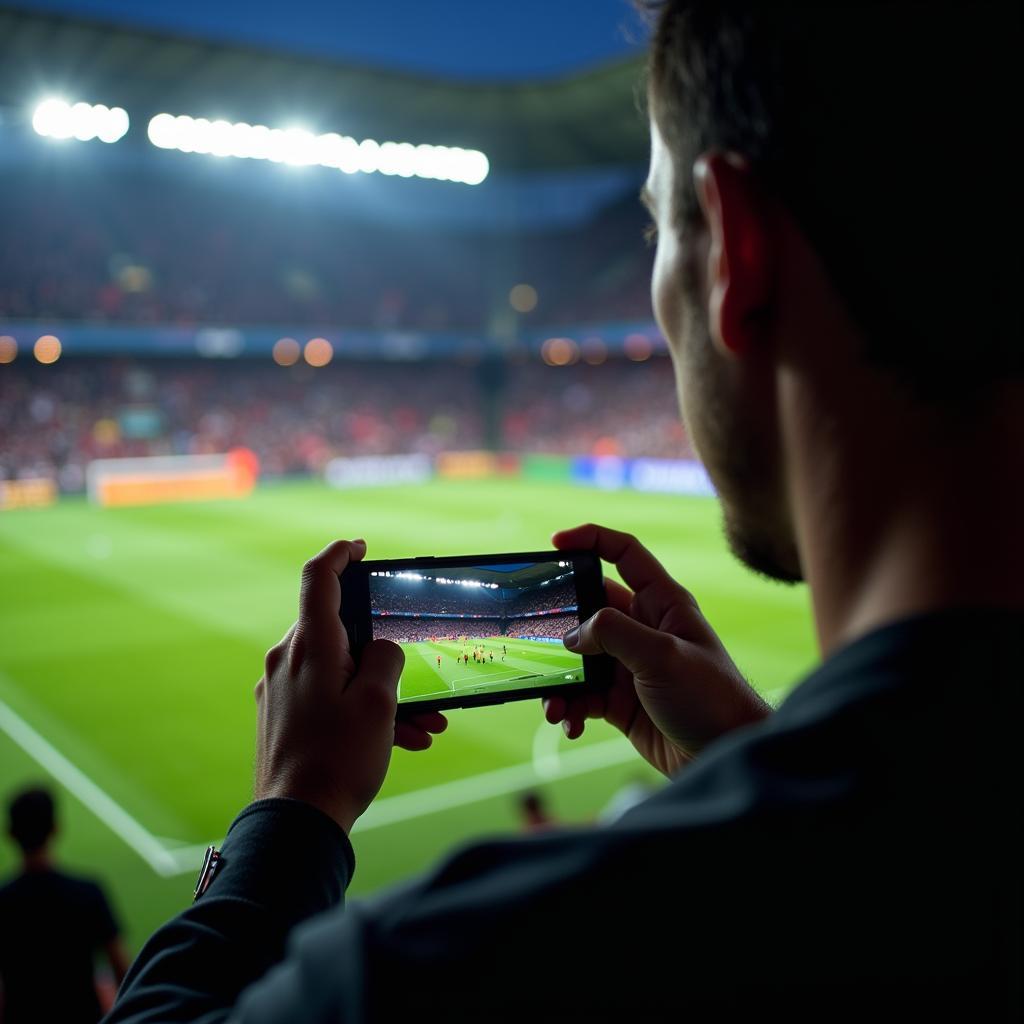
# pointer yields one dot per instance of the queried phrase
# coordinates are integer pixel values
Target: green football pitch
(130, 641)
(439, 668)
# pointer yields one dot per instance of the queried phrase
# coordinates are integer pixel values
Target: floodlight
(57, 119)
(299, 147)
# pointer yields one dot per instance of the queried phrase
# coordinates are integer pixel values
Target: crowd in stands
(55, 419)
(544, 626)
(543, 598)
(390, 595)
(623, 408)
(409, 631)
(122, 245)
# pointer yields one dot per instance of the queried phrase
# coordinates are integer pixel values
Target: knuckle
(272, 658)
(382, 699)
(665, 646)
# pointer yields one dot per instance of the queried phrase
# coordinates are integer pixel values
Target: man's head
(876, 137)
(31, 819)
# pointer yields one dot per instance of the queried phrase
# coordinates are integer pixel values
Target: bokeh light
(318, 352)
(559, 351)
(58, 119)
(286, 351)
(638, 347)
(523, 298)
(301, 148)
(47, 348)
(8, 349)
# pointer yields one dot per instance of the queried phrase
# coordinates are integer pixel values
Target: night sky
(474, 39)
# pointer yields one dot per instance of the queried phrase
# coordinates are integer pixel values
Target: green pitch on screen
(131, 639)
(446, 668)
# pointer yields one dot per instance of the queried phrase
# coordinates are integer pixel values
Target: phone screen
(471, 630)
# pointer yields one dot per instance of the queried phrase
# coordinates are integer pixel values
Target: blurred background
(273, 275)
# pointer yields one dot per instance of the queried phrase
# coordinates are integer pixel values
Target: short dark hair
(32, 817)
(888, 131)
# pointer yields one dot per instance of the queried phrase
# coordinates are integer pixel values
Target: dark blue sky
(477, 39)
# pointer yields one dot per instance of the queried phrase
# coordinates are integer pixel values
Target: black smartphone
(478, 629)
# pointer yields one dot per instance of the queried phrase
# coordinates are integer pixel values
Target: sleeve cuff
(286, 856)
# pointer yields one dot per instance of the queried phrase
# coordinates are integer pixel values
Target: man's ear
(740, 267)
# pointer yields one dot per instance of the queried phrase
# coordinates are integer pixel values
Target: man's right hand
(675, 688)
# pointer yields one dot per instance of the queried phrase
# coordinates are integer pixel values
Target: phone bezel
(590, 597)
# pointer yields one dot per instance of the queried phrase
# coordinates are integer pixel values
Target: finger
(555, 709)
(409, 737)
(618, 596)
(320, 592)
(573, 728)
(639, 648)
(637, 566)
(375, 685)
(428, 721)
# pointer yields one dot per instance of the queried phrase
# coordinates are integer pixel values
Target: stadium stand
(541, 599)
(55, 419)
(104, 245)
(548, 626)
(415, 630)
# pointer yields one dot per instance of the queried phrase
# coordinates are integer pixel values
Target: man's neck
(896, 518)
(37, 860)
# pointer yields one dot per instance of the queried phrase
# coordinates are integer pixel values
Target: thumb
(376, 682)
(642, 650)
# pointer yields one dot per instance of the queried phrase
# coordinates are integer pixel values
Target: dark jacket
(856, 856)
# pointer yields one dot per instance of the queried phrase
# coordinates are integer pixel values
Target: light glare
(58, 119)
(297, 147)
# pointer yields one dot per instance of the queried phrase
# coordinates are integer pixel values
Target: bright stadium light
(301, 148)
(58, 119)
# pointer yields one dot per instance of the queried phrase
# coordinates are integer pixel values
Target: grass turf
(131, 640)
(442, 668)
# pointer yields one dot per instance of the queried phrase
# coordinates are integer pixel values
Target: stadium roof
(589, 119)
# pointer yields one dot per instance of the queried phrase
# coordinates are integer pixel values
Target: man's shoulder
(928, 666)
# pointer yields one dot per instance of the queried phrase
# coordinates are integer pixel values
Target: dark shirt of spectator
(52, 925)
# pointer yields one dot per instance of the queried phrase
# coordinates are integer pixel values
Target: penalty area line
(420, 803)
(392, 810)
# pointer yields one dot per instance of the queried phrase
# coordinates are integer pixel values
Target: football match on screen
(453, 622)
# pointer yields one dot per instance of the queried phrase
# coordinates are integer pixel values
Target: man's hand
(675, 688)
(325, 730)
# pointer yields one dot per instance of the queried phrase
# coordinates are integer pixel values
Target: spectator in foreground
(837, 274)
(52, 925)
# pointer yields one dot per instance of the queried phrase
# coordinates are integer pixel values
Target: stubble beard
(734, 455)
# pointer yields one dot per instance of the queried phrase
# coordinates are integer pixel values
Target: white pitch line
(421, 802)
(76, 782)
(492, 679)
(394, 810)
(389, 811)
(546, 758)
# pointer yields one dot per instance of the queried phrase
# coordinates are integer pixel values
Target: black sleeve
(282, 861)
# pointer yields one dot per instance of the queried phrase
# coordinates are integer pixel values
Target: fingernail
(572, 638)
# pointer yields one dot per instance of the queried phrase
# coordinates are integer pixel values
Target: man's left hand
(326, 730)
